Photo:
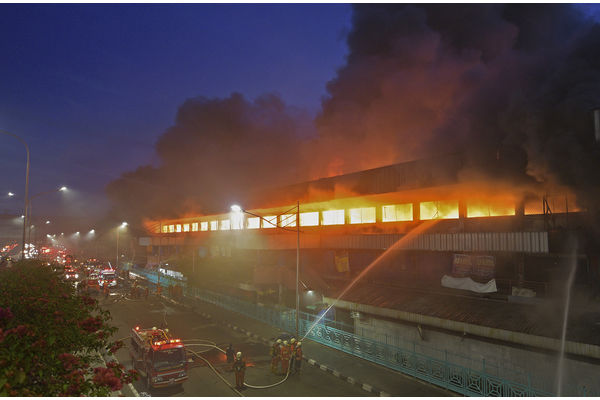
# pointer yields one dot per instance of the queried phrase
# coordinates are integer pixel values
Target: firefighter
(106, 291)
(275, 355)
(285, 357)
(239, 366)
(146, 292)
(158, 290)
(229, 352)
(298, 358)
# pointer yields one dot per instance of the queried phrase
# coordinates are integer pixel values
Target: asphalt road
(190, 326)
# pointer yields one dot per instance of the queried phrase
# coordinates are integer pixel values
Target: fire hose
(246, 384)
(216, 372)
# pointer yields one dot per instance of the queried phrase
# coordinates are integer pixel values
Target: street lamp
(26, 188)
(29, 202)
(236, 208)
(123, 225)
(10, 194)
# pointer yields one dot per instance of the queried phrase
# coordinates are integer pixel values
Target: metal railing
(441, 370)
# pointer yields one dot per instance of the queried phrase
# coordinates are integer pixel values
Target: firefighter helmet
(239, 355)
(293, 341)
(285, 343)
(279, 341)
(298, 344)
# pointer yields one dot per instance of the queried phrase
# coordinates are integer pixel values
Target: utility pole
(25, 219)
(297, 264)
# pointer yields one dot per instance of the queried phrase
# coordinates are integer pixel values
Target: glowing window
(362, 215)
(288, 220)
(270, 221)
(333, 217)
(204, 226)
(186, 227)
(309, 219)
(253, 223)
(439, 210)
(225, 224)
(171, 228)
(194, 227)
(397, 212)
(489, 209)
(178, 228)
(214, 225)
(165, 229)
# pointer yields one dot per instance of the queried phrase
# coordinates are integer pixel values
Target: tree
(51, 337)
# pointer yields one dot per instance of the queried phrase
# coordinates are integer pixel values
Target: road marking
(323, 367)
(351, 380)
(336, 373)
(367, 387)
(384, 394)
(312, 362)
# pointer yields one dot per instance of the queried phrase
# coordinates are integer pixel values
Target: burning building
(514, 230)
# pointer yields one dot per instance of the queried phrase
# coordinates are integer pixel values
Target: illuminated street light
(77, 233)
(30, 202)
(47, 222)
(236, 208)
(123, 225)
(92, 231)
(10, 194)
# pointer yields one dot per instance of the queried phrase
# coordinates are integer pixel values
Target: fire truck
(108, 277)
(159, 358)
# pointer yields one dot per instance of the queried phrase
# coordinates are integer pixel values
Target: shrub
(50, 337)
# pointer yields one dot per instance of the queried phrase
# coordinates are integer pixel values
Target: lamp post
(236, 208)
(123, 225)
(25, 221)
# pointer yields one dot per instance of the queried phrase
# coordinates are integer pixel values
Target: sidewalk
(371, 377)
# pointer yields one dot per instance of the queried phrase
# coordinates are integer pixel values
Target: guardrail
(438, 371)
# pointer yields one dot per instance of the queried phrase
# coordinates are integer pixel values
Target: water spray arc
(418, 230)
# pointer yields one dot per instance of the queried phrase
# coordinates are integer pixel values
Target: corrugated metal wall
(522, 242)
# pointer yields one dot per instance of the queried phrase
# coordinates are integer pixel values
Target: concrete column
(416, 211)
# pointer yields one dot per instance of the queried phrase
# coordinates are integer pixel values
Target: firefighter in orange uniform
(239, 367)
(285, 357)
(275, 355)
(298, 358)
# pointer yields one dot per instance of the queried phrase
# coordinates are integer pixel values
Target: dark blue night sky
(91, 87)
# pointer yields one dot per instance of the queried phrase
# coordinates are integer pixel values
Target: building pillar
(416, 209)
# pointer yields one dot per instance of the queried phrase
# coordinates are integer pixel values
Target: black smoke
(510, 83)
(216, 154)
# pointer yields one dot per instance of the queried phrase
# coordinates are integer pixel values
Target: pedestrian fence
(439, 367)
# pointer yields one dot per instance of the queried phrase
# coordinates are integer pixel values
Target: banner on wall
(342, 261)
(462, 265)
(479, 267)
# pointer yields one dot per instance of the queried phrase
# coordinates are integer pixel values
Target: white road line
(367, 387)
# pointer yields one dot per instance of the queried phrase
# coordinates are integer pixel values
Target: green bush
(50, 337)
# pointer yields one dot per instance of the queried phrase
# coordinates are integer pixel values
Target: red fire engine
(158, 357)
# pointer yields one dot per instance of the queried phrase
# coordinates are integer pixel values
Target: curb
(364, 386)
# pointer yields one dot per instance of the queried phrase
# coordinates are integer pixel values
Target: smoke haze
(514, 81)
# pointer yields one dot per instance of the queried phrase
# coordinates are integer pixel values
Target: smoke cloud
(514, 82)
(218, 152)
